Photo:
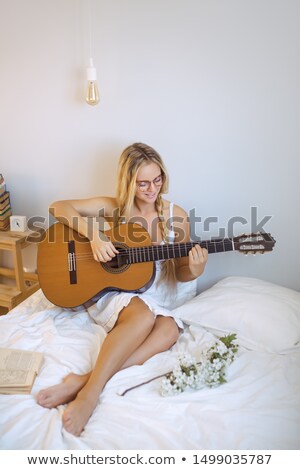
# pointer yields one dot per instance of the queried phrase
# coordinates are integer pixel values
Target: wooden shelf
(25, 283)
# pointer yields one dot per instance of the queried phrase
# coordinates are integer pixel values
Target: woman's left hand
(197, 260)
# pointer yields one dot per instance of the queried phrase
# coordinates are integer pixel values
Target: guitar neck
(173, 250)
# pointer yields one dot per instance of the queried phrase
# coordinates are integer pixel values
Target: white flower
(209, 371)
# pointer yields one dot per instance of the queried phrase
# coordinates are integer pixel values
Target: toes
(71, 427)
(40, 397)
(46, 398)
(43, 399)
(67, 419)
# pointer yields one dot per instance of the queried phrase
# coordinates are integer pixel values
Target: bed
(257, 408)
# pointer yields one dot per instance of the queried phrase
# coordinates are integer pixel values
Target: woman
(138, 325)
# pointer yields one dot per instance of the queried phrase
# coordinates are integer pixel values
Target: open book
(18, 370)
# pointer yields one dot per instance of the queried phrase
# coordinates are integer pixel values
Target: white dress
(107, 309)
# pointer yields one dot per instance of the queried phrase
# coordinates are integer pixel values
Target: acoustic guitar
(69, 276)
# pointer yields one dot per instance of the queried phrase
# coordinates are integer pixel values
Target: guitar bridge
(72, 262)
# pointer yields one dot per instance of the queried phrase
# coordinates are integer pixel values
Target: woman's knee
(138, 312)
(168, 329)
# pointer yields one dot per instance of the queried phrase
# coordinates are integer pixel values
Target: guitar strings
(156, 251)
(138, 254)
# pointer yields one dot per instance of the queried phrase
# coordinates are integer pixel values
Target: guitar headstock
(252, 243)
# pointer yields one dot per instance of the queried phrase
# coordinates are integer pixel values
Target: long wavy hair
(131, 160)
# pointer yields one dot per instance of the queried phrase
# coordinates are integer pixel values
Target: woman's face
(148, 182)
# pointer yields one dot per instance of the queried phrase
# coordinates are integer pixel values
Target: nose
(150, 185)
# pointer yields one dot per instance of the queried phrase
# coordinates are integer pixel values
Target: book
(4, 205)
(4, 196)
(5, 210)
(4, 225)
(18, 370)
(2, 184)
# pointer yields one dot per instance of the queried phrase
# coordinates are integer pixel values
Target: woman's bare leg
(134, 324)
(163, 335)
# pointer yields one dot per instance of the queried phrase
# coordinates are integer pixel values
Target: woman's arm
(192, 266)
(80, 215)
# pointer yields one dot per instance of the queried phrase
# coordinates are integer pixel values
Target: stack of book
(5, 208)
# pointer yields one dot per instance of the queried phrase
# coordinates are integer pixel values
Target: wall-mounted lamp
(92, 93)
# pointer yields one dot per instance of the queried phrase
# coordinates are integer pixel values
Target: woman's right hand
(103, 250)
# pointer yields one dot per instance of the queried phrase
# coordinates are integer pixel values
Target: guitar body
(69, 276)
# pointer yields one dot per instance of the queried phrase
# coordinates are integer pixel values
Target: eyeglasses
(146, 185)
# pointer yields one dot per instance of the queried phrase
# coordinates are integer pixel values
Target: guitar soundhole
(119, 263)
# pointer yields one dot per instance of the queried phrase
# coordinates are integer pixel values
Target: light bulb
(92, 93)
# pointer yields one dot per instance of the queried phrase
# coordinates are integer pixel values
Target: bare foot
(62, 393)
(77, 414)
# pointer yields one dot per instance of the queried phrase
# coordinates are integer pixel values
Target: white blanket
(258, 407)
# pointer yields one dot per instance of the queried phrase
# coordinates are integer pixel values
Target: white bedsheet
(258, 408)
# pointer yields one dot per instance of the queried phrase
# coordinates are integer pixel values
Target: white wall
(213, 85)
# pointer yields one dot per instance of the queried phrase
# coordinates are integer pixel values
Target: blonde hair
(131, 160)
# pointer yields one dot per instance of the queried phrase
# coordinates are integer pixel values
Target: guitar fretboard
(173, 250)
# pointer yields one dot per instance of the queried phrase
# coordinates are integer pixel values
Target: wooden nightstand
(25, 283)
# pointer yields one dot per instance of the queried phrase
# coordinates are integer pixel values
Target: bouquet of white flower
(208, 372)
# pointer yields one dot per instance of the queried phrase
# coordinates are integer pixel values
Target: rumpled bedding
(258, 407)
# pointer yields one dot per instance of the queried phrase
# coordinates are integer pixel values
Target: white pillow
(265, 316)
